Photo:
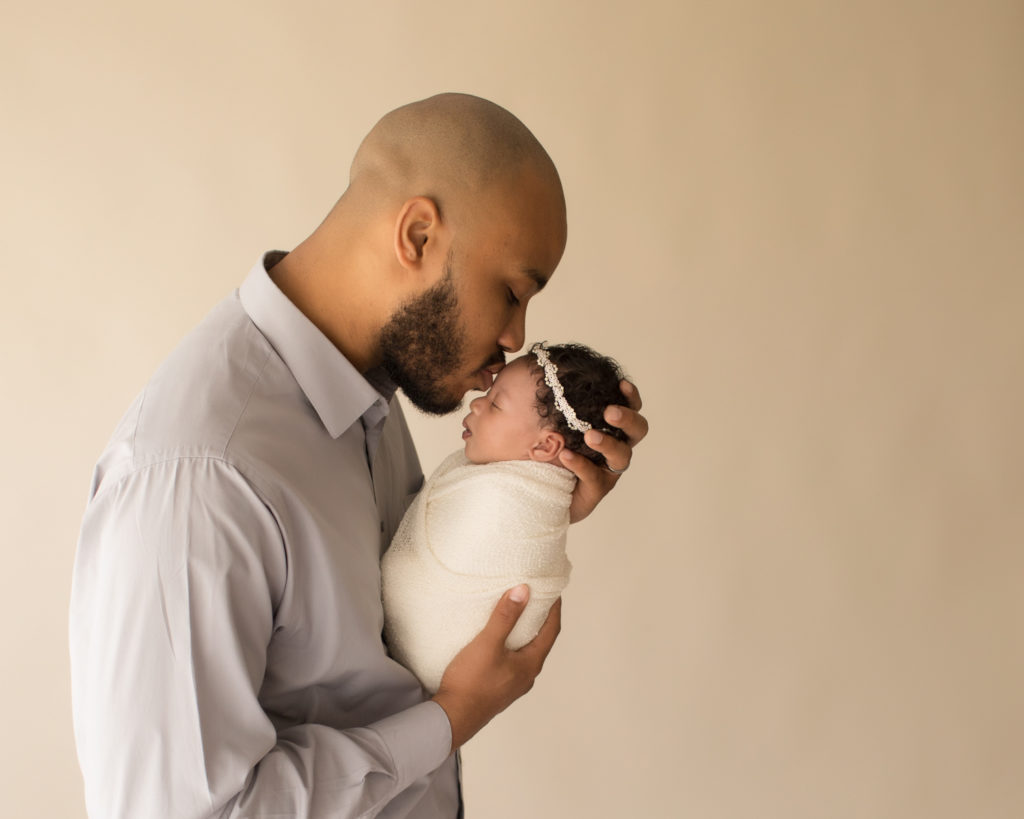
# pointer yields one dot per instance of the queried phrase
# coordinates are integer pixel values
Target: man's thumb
(506, 613)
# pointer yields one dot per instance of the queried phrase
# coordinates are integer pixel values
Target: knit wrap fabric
(473, 532)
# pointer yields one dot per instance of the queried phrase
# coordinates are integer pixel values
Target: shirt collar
(338, 392)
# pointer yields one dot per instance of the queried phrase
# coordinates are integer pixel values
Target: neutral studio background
(799, 225)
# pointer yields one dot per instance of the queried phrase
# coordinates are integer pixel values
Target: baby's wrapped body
(472, 533)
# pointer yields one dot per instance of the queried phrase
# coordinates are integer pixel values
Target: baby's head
(541, 403)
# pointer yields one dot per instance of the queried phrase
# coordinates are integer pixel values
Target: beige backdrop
(801, 228)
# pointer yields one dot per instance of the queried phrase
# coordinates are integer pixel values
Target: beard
(421, 346)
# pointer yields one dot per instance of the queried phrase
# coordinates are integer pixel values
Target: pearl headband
(551, 379)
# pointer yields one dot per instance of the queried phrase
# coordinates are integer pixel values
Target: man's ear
(547, 447)
(417, 230)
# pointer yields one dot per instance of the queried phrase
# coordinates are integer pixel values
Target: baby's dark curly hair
(591, 383)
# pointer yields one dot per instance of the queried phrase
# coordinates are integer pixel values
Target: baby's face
(503, 424)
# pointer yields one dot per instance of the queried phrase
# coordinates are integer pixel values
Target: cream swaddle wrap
(473, 532)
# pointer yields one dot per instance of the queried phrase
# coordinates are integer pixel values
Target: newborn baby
(495, 514)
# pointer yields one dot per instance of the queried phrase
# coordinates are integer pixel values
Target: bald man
(226, 619)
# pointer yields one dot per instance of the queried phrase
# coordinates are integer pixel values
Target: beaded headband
(551, 379)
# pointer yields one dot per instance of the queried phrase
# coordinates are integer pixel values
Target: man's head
(471, 178)
(453, 219)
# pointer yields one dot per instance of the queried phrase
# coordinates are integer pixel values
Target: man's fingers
(628, 389)
(549, 631)
(583, 468)
(628, 420)
(506, 614)
(617, 453)
(539, 647)
(594, 483)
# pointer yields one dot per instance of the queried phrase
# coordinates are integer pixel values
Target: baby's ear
(547, 447)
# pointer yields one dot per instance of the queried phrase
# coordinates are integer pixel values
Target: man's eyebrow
(539, 278)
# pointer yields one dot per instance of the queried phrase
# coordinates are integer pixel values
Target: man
(226, 616)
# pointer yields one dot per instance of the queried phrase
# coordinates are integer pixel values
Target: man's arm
(179, 572)
(594, 481)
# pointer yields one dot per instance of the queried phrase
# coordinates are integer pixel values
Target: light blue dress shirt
(226, 615)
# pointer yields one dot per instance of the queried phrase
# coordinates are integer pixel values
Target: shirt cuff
(419, 740)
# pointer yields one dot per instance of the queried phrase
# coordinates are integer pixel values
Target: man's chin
(433, 402)
(434, 408)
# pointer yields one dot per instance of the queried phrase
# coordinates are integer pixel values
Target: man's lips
(484, 377)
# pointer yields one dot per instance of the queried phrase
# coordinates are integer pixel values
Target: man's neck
(318, 289)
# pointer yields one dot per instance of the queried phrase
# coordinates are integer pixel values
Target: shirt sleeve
(179, 568)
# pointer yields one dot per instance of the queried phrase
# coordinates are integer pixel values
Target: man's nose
(513, 336)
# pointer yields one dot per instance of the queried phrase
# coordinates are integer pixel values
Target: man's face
(453, 336)
(422, 347)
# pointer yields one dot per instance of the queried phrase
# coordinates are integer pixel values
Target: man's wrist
(459, 717)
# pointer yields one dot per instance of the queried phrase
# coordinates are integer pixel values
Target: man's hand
(594, 481)
(485, 678)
